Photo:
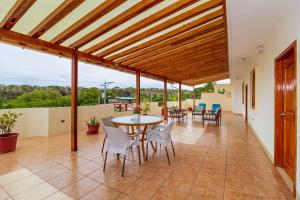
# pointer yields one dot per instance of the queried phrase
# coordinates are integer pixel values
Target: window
(252, 82)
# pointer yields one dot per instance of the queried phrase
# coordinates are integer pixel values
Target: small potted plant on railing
(146, 108)
(93, 126)
(8, 139)
(136, 112)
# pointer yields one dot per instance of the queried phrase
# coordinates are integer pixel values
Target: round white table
(143, 120)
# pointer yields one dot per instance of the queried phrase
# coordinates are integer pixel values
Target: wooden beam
(116, 21)
(212, 54)
(179, 96)
(169, 23)
(86, 20)
(74, 89)
(144, 23)
(165, 99)
(207, 79)
(190, 49)
(26, 41)
(60, 12)
(172, 46)
(16, 13)
(142, 48)
(181, 49)
(138, 89)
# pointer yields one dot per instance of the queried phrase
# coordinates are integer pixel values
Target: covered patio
(183, 42)
(211, 163)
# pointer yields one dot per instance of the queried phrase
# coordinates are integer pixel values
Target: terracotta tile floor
(211, 163)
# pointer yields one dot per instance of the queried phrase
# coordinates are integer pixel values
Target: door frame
(278, 96)
(246, 103)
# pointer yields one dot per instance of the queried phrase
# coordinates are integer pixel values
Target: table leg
(143, 142)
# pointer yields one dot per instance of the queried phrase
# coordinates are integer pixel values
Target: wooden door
(285, 112)
(288, 114)
(246, 103)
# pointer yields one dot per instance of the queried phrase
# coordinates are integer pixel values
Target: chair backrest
(166, 133)
(117, 137)
(106, 121)
(202, 106)
(215, 107)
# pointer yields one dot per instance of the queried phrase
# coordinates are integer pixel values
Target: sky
(23, 66)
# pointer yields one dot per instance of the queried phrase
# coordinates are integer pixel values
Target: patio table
(143, 120)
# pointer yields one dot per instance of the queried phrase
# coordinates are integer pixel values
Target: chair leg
(123, 168)
(147, 152)
(173, 148)
(104, 165)
(139, 154)
(103, 144)
(167, 155)
(118, 156)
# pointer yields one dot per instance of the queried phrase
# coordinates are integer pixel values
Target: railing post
(74, 89)
(179, 97)
(193, 97)
(138, 89)
(165, 100)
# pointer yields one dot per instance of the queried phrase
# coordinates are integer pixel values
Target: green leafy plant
(93, 121)
(146, 108)
(221, 91)
(8, 121)
(136, 110)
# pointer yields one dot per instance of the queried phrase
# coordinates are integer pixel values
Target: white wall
(262, 118)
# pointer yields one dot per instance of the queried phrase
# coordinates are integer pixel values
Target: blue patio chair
(215, 107)
(202, 106)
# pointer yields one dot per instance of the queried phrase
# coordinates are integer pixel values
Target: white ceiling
(249, 24)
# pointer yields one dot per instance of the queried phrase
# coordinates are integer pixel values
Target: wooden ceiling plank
(86, 20)
(59, 13)
(184, 48)
(143, 23)
(203, 73)
(169, 23)
(187, 57)
(205, 63)
(142, 48)
(16, 13)
(120, 19)
(199, 66)
(163, 48)
(218, 54)
(206, 80)
(183, 58)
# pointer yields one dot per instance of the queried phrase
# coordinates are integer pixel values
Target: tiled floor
(211, 163)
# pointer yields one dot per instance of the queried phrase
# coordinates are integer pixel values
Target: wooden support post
(179, 96)
(165, 100)
(138, 89)
(193, 97)
(74, 89)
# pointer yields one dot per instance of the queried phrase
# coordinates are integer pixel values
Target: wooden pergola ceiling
(182, 41)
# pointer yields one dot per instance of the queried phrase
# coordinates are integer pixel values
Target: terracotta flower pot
(93, 129)
(9, 143)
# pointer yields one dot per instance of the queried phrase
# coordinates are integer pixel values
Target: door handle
(283, 114)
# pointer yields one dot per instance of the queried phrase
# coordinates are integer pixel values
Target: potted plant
(136, 112)
(93, 126)
(8, 139)
(146, 108)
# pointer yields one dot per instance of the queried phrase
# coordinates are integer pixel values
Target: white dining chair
(106, 121)
(119, 142)
(161, 135)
